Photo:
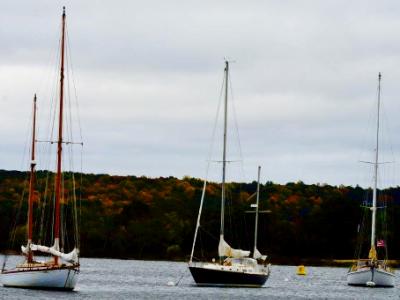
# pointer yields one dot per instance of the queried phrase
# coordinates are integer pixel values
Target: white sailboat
(373, 271)
(235, 266)
(60, 272)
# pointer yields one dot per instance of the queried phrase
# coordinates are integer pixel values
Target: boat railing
(368, 263)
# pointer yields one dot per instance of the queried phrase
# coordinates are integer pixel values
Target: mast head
(227, 62)
(34, 98)
(379, 75)
(63, 11)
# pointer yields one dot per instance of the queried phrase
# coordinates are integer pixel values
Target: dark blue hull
(210, 277)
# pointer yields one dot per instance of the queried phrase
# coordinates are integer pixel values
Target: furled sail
(225, 250)
(71, 257)
(258, 255)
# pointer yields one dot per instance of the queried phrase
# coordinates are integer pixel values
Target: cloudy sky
(148, 76)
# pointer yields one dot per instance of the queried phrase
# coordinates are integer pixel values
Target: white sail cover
(71, 257)
(258, 255)
(225, 250)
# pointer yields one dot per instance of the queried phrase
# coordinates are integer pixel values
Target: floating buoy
(171, 283)
(301, 270)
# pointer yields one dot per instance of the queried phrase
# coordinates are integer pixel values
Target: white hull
(59, 279)
(371, 277)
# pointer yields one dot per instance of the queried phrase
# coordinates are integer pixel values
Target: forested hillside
(154, 218)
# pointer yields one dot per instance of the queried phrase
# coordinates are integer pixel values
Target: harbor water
(134, 279)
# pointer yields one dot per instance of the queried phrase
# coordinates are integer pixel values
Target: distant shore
(344, 263)
(325, 262)
(130, 217)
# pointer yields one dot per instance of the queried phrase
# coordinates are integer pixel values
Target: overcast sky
(148, 76)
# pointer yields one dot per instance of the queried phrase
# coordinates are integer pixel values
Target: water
(133, 279)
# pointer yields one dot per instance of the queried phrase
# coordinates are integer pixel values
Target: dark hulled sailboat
(235, 266)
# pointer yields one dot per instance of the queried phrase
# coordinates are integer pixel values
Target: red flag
(380, 243)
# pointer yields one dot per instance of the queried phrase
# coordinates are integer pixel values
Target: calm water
(132, 279)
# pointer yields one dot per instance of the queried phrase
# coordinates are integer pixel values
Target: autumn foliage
(154, 218)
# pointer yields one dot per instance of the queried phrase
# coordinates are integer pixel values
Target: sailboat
(235, 266)
(61, 271)
(373, 271)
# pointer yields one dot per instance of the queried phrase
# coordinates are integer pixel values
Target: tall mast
(256, 224)
(59, 145)
(31, 182)
(374, 193)
(224, 149)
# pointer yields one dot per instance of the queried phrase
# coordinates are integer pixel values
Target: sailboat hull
(225, 277)
(52, 279)
(371, 277)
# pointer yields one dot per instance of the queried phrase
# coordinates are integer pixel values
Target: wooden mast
(31, 183)
(59, 146)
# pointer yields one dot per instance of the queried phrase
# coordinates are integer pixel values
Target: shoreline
(310, 262)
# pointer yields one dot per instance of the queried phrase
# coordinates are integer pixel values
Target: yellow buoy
(301, 270)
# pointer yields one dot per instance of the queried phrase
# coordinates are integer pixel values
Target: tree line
(154, 218)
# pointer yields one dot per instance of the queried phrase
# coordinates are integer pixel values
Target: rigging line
(28, 135)
(67, 111)
(209, 234)
(70, 67)
(47, 148)
(368, 129)
(207, 170)
(51, 123)
(73, 208)
(211, 149)
(3, 267)
(246, 232)
(74, 211)
(38, 211)
(237, 128)
(52, 55)
(80, 197)
(386, 230)
(70, 114)
(74, 86)
(70, 149)
(230, 211)
(69, 125)
(387, 129)
(53, 103)
(362, 233)
(52, 215)
(17, 216)
(388, 174)
(66, 244)
(62, 205)
(53, 95)
(360, 236)
(201, 246)
(44, 205)
(67, 216)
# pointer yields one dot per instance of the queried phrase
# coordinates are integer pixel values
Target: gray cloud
(148, 77)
